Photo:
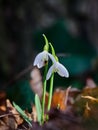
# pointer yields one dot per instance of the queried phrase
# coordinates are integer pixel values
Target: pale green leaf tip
(14, 104)
(36, 96)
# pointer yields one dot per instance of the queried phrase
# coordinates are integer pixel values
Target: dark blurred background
(70, 25)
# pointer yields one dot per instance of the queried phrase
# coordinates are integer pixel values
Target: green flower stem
(44, 92)
(50, 92)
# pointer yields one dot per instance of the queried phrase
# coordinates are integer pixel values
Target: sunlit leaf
(21, 112)
(38, 108)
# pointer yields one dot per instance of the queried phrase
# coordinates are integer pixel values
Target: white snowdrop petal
(49, 73)
(62, 71)
(46, 56)
(35, 62)
(38, 58)
(52, 58)
(40, 65)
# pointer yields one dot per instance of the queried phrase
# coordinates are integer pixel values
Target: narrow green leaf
(21, 112)
(38, 108)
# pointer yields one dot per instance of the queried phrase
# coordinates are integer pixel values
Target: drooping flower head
(42, 58)
(56, 67)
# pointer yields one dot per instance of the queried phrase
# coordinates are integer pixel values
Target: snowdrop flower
(59, 68)
(56, 67)
(42, 58)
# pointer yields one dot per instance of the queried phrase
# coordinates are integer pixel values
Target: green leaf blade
(38, 108)
(21, 112)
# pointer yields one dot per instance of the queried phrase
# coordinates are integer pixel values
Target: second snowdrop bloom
(59, 68)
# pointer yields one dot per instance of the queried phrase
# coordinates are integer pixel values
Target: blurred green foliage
(63, 41)
(78, 52)
(21, 94)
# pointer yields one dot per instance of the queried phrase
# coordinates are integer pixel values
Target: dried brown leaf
(60, 97)
(36, 82)
(12, 110)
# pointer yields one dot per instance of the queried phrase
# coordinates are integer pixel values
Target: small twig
(19, 75)
(90, 98)
(8, 114)
(24, 127)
